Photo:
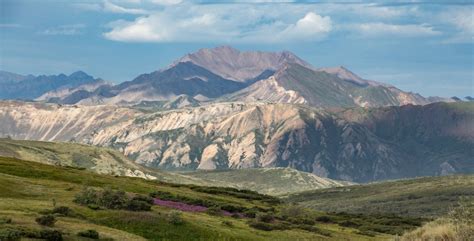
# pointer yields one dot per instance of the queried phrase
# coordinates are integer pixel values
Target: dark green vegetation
(420, 197)
(31, 190)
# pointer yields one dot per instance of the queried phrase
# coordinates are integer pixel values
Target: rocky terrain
(374, 144)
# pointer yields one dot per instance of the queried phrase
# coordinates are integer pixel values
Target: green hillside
(271, 181)
(419, 197)
(32, 191)
(96, 159)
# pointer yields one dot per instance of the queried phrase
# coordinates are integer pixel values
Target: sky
(420, 46)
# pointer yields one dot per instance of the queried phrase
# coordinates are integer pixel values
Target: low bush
(261, 225)
(137, 205)
(87, 196)
(264, 217)
(10, 234)
(51, 235)
(92, 234)
(227, 223)
(215, 211)
(46, 220)
(5, 220)
(324, 219)
(113, 199)
(175, 218)
(62, 210)
(93, 206)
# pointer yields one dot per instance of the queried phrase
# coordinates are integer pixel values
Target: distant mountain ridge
(29, 87)
(221, 74)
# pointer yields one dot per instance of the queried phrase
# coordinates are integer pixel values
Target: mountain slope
(295, 83)
(182, 79)
(97, 159)
(240, 66)
(23, 198)
(426, 197)
(249, 135)
(31, 87)
(271, 181)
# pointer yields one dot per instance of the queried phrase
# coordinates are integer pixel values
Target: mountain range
(222, 108)
(217, 75)
(354, 144)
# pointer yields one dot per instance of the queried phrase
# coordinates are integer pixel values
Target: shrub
(293, 212)
(10, 234)
(215, 211)
(349, 224)
(264, 217)
(232, 208)
(63, 210)
(143, 198)
(92, 234)
(93, 206)
(51, 235)
(5, 220)
(137, 205)
(46, 220)
(113, 199)
(261, 225)
(227, 223)
(175, 217)
(250, 213)
(87, 196)
(324, 219)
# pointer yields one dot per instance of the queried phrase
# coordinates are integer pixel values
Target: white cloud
(312, 25)
(73, 29)
(198, 23)
(10, 25)
(462, 19)
(403, 30)
(166, 2)
(110, 7)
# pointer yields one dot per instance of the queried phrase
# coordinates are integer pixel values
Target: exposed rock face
(355, 144)
(240, 66)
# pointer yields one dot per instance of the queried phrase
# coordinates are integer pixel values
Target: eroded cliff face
(242, 135)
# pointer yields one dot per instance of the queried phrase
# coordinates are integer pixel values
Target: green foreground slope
(419, 197)
(27, 189)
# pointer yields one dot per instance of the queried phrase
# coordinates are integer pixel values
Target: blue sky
(424, 47)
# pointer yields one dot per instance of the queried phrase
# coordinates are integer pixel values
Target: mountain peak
(80, 75)
(345, 74)
(240, 66)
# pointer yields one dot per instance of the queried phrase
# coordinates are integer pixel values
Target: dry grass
(457, 226)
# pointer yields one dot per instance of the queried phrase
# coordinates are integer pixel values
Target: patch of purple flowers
(180, 206)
